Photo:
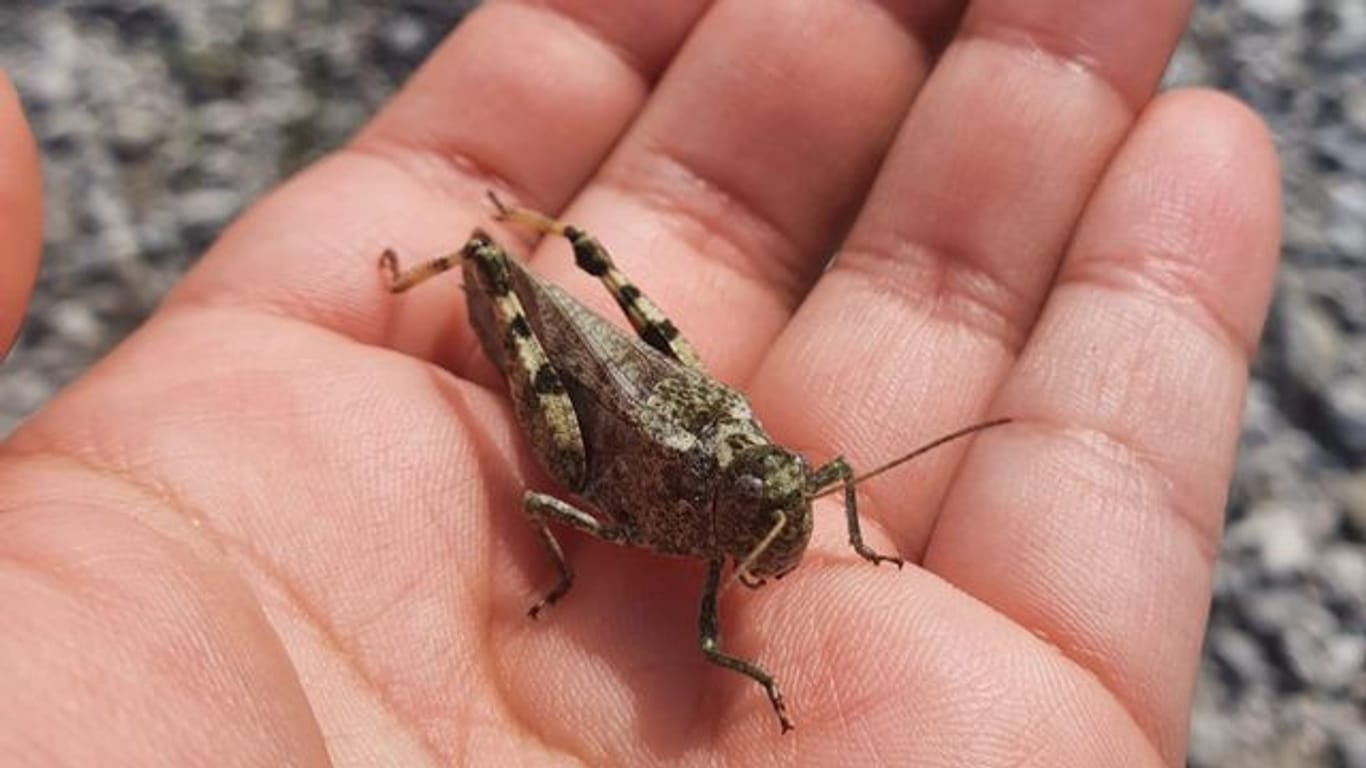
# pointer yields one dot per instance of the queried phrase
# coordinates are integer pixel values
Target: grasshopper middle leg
(540, 508)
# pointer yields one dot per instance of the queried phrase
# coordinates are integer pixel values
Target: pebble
(1277, 12)
(1347, 409)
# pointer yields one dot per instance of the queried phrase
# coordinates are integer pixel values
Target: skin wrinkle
(742, 228)
(1206, 537)
(196, 528)
(164, 496)
(488, 647)
(331, 641)
(1070, 50)
(1110, 677)
(1166, 281)
(842, 714)
(961, 291)
(302, 310)
(628, 58)
(452, 174)
(1008, 329)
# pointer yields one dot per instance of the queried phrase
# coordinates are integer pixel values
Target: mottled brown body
(664, 456)
(651, 429)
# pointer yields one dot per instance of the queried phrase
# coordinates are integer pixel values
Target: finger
(926, 305)
(1095, 520)
(21, 213)
(731, 188)
(523, 96)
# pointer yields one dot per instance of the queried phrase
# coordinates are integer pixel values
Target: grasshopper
(667, 458)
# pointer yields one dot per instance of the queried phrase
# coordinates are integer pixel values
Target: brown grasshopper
(668, 458)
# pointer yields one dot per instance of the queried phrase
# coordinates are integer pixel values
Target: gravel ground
(159, 120)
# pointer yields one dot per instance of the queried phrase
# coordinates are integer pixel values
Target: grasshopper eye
(750, 487)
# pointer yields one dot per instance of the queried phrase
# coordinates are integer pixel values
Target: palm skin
(281, 522)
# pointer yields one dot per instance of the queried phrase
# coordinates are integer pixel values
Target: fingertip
(1192, 205)
(20, 212)
(1111, 490)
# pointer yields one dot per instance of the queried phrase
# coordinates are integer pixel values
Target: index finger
(524, 96)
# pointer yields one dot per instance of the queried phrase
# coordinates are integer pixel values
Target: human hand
(255, 531)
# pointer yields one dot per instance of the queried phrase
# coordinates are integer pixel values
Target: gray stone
(1241, 655)
(1350, 747)
(1350, 492)
(1313, 344)
(208, 208)
(1341, 568)
(1277, 12)
(1347, 405)
(1278, 536)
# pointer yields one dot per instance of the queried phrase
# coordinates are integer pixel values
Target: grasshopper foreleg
(839, 471)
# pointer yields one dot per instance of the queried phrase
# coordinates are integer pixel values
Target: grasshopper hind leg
(542, 405)
(649, 322)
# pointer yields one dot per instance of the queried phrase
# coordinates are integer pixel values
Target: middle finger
(951, 258)
(726, 195)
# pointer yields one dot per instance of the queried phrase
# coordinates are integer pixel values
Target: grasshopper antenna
(926, 448)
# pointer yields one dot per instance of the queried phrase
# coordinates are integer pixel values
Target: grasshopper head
(763, 511)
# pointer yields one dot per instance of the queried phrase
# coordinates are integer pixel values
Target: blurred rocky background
(160, 119)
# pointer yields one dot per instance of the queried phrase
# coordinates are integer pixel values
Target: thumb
(21, 209)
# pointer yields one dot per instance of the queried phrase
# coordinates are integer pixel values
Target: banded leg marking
(648, 320)
(543, 408)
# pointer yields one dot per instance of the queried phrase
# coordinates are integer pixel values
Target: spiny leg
(646, 317)
(539, 398)
(709, 637)
(539, 508)
(838, 470)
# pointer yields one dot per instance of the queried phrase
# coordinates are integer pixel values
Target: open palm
(282, 522)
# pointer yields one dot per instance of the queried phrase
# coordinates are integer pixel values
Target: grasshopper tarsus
(388, 264)
(551, 597)
(876, 558)
(533, 220)
(534, 612)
